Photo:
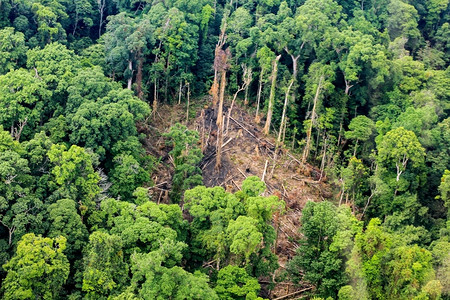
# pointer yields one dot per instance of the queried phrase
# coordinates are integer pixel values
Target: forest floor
(246, 152)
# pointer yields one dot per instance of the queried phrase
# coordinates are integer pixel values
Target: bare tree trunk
(313, 114)
(293, 140)
(166, 90)
(215, 89)
(219, 45)
(284, 129)
(272, 95)
(155, 92)
(140, 94)
(10, 232)
(17, 132)
(221, 97)
(348, 86)
(342, 192)
(231, 108)
(283, 120)
(101, 9)
(166, 86)
(316, 150)
(248, 79)
(155, 95)
(130, 80)
(340, 134)
(258, 97)
(294, 68)
(188, 100)
(220, 121)
(356, 146)
(179, 93)
(264, 172)
(324, 153)
(75, 22)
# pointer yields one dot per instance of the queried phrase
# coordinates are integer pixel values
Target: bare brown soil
(246, 152)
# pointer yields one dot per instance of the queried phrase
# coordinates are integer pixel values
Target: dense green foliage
(367, 101)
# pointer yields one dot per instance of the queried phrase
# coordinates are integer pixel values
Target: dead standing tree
(222, 67)
(214, 91)
(247, 78)
(272, 95)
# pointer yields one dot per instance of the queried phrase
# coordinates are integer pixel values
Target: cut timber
(220, 121)
(293, 294)
(265, 169)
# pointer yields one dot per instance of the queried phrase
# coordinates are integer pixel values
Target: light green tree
(38, 269)
(361, 128)
(399, 146)
(74, 173)
(153, 279)
(244, 236)
(234, 283)
(22, 99)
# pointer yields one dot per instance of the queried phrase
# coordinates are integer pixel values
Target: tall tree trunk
(140, 94)
(284, 129)
(75, 22)
(293, 139)
(272, 95)
(316, 150)
(101, 9)
(188, 100)
(219, 45)
(179, 92)
(10, 234)
(313, 114)
(356, 146)
(166, 90)
(294, 74)
(155, 95)
(220, 121)
(215, 89)
(324, 153)
(340, 133)
(166, 86)
(130, 80)
(258, 97)
(294, 68)
(155, 83)
(248, 79)
(348, 86)
(283, 116)
(283, 120)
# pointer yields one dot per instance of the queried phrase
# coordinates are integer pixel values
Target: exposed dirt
(246, 152)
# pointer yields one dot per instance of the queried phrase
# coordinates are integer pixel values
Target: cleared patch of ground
(246, 151)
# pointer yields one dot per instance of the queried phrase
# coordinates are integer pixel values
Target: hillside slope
(246, 152)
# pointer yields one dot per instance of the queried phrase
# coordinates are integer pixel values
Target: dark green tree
(186, 156)
(105, 272)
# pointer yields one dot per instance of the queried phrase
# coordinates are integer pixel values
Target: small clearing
(246, 152)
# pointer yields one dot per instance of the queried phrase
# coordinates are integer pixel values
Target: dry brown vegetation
(246, 151)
